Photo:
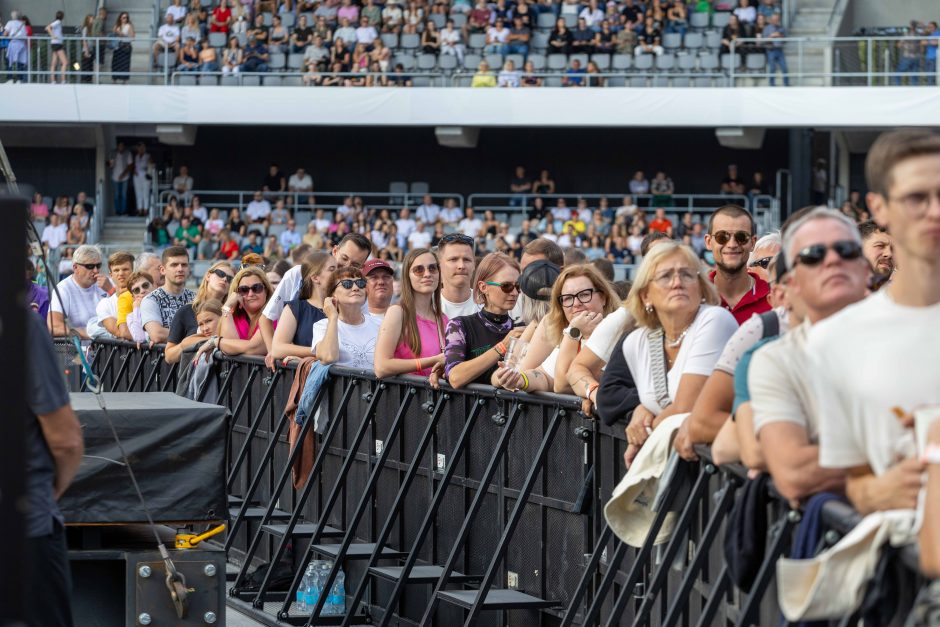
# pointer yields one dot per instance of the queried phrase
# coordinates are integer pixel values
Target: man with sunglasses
(875, 364)
(455, 254)
(159, 306)
(764, 252)
(79, 293)
(825, 273)
(730, 238)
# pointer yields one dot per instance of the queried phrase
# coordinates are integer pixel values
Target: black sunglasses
(90, 266)
(348, 283)
(140, 288)
(813, 255)
(763, 262)
(222, 274)
(460, 238)
(257, 288)
(723, 237)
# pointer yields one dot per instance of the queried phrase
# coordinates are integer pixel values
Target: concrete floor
(234, 618)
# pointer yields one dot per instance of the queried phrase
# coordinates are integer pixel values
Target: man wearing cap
(379, 277)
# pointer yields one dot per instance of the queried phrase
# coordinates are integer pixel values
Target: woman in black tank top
(293, 336)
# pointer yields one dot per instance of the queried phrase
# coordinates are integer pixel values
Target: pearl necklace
(678, 340)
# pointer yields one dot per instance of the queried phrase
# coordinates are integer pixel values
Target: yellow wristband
(525, 380)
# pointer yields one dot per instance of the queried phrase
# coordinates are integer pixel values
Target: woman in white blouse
(681, 333)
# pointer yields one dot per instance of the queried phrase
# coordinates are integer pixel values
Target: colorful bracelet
(500, 349)
(418, 365)
(590, 388)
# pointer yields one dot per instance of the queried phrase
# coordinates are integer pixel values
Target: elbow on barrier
(501, 492)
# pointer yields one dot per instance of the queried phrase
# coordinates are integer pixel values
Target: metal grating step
(496, 599)
(421, 574)
(356, 551)
(258, 512)
(301, 530)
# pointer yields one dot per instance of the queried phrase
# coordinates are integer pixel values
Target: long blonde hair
(556, 320)
(203, 292)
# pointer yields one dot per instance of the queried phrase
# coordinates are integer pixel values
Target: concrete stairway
(811, 20)
(123, 233)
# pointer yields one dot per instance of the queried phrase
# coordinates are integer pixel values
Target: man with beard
(455, 254)
(379, 277)
(730, 237)
(877, 247)
(159, 306)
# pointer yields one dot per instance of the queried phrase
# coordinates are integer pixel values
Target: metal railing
(440, 505)
(810, 61)
(831, 61)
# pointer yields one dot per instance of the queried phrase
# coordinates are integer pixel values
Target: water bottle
(301, 596)
(324, 573)
(337, 596)
(311, 587)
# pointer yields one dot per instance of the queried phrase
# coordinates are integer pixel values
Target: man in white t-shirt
(874, 363)
(470, 226)
(177, 11)
(455, 255)
(347, 208)
(79, 292)
(406, 225)
(143, 174)
(786, 419)
(428, 210)
(366, 33)
(258, 209)
(168, 39)
(451, 213)
(419, 238)
(54, 233)
(628, 208)
(321, 222)
(302, 183)
(183, 185)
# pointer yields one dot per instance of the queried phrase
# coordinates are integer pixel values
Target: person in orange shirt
(661, 223)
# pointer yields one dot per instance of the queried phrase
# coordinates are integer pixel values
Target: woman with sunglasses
(477, 342)
(238, 329)
(580, 299)
(130, 327)
(184, 329)
(680, 335)
(294, 334)
(411, 338)
(347, 336)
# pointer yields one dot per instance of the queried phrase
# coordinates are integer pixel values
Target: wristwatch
(573, 332)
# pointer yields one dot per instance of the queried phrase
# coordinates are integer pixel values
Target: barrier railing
(440, 505)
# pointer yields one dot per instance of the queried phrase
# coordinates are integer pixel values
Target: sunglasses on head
(431, 268)
(457, 237)
(740, 237)
(140, 288)
(348, 283)
(222, 274)
(506, 286)
(256, 288)
(763, 262)
(814, 255)
(90, 266)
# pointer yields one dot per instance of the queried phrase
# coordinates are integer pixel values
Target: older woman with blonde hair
(238, 329)
(680, 334)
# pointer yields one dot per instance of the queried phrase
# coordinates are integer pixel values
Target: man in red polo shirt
(731, 238)
(661, 223)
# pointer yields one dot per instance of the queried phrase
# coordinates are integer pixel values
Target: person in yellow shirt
(483, 77)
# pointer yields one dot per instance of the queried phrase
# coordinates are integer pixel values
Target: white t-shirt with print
(356, 341)
(865, 360)
(707, 336)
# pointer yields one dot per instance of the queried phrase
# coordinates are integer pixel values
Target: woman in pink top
(238, 328)
(411, 339)
(39, 208)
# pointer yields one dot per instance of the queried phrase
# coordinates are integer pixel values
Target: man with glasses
(874, 364)
(159, 306)
(826, 272)
(455, 254)
(79, 293)
(730, 237)
(379, 276)
(104, 324)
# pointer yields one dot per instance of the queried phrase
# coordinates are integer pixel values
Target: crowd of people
(785, 356)
(63, 225)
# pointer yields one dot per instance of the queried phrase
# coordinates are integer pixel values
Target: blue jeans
(255, 65)
(120, 197)
(211, 66)
(775, 59)
(522, 49)
(907, 64)
(930, 67)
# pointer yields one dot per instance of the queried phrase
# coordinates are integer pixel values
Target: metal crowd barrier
(473, 506)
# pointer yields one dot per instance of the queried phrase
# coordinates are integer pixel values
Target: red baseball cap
(372, 264)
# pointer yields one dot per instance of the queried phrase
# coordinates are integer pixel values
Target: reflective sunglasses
(140, 288)
(257, 288)
(763, 262)
(431, 268)
(90, 266)
(723, 237)
(813, 255)
(584, 296)
(506, 286)
(457, 237)
(222, 274)
(348, 283)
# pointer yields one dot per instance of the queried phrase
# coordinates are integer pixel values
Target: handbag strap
(658, 365)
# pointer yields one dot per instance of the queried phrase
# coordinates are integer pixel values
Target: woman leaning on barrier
(184, 330)
(680, 335)
(475, 343)
(411, 338)
(238, 329)
(294, 334)
(347, 336)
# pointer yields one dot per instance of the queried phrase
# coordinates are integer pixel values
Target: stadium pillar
(801, 166)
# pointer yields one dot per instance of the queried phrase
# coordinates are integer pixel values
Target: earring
(649, 308)
(703, 300)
